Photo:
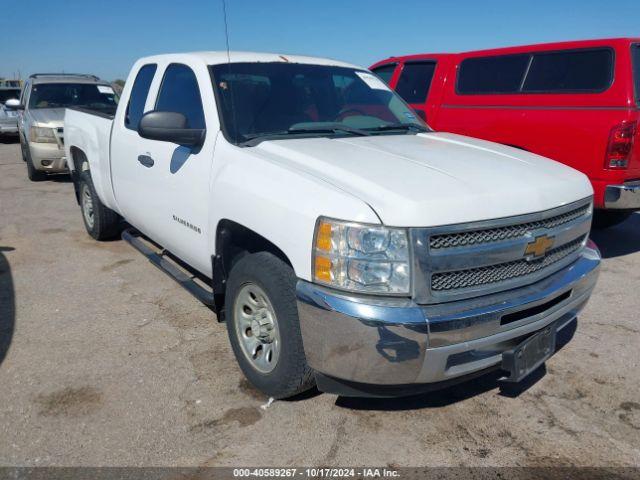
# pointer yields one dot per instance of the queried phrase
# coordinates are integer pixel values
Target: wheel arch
(78, 158)
(233, 242)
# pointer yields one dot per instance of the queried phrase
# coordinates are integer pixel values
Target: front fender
(280, 203)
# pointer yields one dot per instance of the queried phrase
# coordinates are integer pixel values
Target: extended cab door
(164, 188)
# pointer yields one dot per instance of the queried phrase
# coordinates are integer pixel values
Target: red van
(575, 102)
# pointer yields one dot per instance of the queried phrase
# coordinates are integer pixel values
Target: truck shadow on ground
(9, 139)
(457, 393)
(620, 240)
(60, 178)
(7, 304)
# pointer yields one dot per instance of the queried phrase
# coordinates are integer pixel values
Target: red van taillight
(620, 145)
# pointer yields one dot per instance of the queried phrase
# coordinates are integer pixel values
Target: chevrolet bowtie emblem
(538, 247)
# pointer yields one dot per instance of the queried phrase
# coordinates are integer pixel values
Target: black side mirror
(170, 127)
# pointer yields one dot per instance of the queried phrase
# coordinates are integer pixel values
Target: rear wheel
(609, 218)
(101, 222)
(263, 326)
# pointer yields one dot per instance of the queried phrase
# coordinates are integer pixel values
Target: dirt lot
(105, 361)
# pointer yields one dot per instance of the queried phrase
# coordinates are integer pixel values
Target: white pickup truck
(344, 243)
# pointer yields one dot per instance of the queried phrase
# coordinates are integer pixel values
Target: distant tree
(118, 85)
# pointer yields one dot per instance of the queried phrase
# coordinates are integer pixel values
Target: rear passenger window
(501, 74)
(180, 93)
(385, 72)
(138, 96)
(543, 72)
(415, 80)
(572, 71)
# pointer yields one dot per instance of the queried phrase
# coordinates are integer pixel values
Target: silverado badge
(538, 247)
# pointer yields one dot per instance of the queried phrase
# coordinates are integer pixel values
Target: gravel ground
(104, 361)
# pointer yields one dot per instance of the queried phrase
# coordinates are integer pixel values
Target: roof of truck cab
(572, 44)
(66, 78)
(221, 57)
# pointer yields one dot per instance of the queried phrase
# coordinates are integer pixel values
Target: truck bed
(88, 131)
(104, 113)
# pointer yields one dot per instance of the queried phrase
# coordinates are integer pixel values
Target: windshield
(8, 94)
(288, 100)
(58, 95)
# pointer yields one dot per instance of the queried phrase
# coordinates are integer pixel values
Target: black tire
(106, 222)
(291, 374)
(33, 174)
(22, 150)
(609, 218)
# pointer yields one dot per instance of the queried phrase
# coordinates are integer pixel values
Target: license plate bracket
(530, 354)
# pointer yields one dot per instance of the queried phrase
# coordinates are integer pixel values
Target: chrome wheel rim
(87, 206)
(256, 328)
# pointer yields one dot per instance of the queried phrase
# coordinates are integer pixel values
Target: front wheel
(23, 150)
(263, 326)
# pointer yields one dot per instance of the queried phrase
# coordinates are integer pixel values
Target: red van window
(385, 72)
(635, 55)
(415, 80)
(497, 74)
(584, 70)
(570, 71)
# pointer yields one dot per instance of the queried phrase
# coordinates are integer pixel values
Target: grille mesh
(461, 239)
(448, 281)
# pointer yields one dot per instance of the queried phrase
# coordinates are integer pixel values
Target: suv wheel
(263, 326)
(23, 150)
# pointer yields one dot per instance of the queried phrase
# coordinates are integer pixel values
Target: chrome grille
(476, 237)
(448, 281)
(466, 260)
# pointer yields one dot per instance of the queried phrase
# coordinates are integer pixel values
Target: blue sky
(106, 37)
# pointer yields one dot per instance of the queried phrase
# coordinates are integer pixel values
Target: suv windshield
(59, 95)
(257, 101)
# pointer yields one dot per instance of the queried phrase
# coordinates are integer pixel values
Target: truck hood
(49, 117)
(434, 178)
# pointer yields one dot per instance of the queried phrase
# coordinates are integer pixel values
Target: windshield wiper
(329, 129)
(253, 139)
(399, 126)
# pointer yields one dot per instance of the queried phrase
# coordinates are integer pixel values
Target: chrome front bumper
(398, 342)
(48, 157)
(6, 128)
(623, 197)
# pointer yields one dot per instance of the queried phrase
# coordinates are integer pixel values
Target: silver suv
(9, 94)
(42, 104)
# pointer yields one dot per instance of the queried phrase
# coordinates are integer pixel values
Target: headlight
(361, 258)
(42, 135)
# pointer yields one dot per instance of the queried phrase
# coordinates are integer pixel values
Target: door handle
(145, 160)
